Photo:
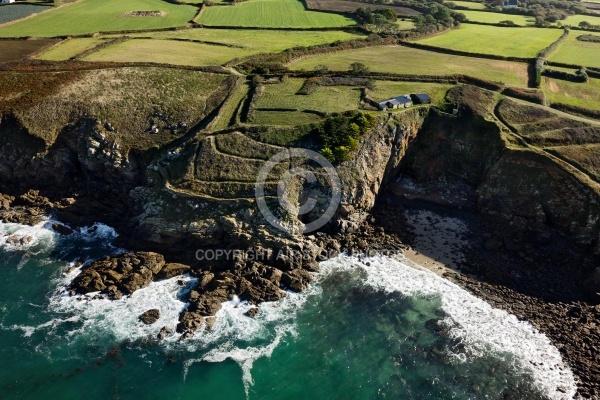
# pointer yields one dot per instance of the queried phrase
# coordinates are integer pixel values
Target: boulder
(297, 280)
(19, 240)
(164, 332)
(207, 304)
(173, 269)
(251, 312)
(190, 322)
(151, 316)
(62, 229)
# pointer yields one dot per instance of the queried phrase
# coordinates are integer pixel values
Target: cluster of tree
(545, 12)
(587, 25)
(381, 20)
(339, 134)
(438, 17)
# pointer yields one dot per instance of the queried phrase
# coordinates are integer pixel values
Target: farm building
(420, 98)
(510, 4)
(402, 101)
(7, 1)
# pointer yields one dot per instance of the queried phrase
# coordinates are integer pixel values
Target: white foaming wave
(97, 231)
(482, 328)
(41, 237)
(119, 318)
(28, 331)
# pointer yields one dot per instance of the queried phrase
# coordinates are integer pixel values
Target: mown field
(574, 20)
(386, 89)
(508, 42)
(345, 6)
(325, 98)
(468, 4)
(406, 60)
(14, 12)
(12, 50)
(89, 16)
(257, 40)
(585, 95)
(69, 48)
(578, 52)
(168, 52)
(494, 18)
(271, 14)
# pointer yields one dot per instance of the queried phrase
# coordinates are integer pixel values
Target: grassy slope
(89, 16)
(167, 51)
(574, 20)
(258, 40)
(515, 42)
(271, 14)
(69, 48)
(468, 4)
(585, 95)
(573, 51)
(127, 97)
(229, 109)
(284, 118)
(324, 98)
(494, 18)
(387, 89)
(405, 60)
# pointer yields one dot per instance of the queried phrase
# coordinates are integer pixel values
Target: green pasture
(494, 18)
(406, 60)
(503, 41)
(89, 16)
(586, 95)
(271, 14)
(578, 52)
(167, 52)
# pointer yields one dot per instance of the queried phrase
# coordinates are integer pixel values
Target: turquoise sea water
(375, 329)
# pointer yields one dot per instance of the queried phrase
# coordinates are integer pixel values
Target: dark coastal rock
(5, 202)
(173, 269)
(122, 274)
(297, 280)
(190, 322)
(592, 285)
(164, 333)
(62, 229)
(151, 316)
(253, 312)
(19, 240)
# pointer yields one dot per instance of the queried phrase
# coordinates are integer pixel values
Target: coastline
(565, 319)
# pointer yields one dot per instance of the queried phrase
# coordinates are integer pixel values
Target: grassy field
(515, 42)
(494, 18)
(89, 16)
(12, 50)
(14, 12)
(229, 109)
(69, 48)
(468, 4)
(258, 40)
(324, 98)
(573, 51)
(278, 118)
(387, 89)
(271, 14)
(167, 51)
(345, 6)
(574, 20)
(405, 25)
(585, 95)
(406, 60)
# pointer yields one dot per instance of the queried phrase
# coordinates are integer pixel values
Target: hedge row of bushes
(462, 53)
(579, 76)
(586, 112)
(531, 95)
(540, 60)
(589, 38)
